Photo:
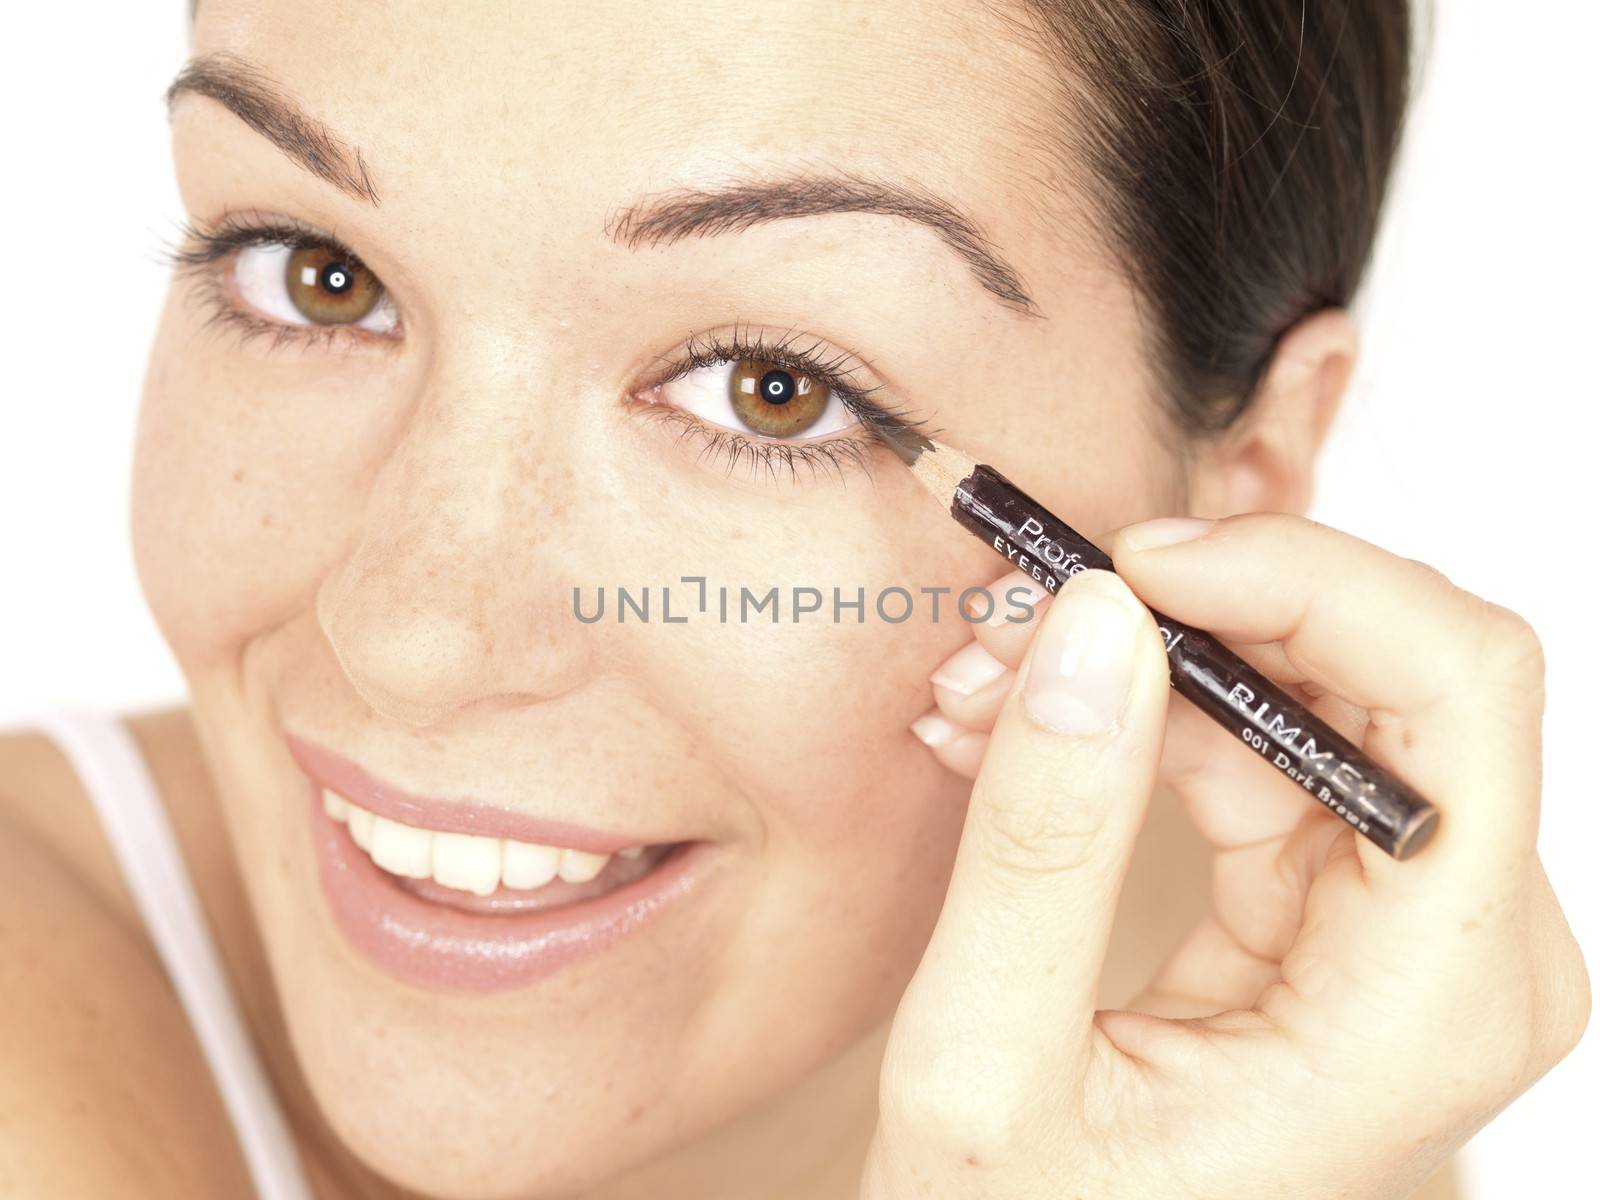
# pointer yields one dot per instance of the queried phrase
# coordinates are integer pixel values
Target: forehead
(522, 108)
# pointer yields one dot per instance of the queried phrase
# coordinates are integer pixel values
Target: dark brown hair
(1240, 150)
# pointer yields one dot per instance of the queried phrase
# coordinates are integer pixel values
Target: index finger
(1453, 683)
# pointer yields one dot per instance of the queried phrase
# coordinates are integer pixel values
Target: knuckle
(1511, 644)
(1271, 521)
(1040, 832)
(1431, 571)
(1508, 645)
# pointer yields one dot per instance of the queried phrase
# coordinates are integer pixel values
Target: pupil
(777, 387)
(336, 278)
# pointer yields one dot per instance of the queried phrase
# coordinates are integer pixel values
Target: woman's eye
(311, 285)
(774, 401)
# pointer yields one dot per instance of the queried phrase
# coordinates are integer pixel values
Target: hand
(1341, 1022)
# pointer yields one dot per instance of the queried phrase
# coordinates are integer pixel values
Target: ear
(1265, 463)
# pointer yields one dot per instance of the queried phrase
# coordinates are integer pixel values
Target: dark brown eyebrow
(695, 212)
(261, 103)
(251, 94)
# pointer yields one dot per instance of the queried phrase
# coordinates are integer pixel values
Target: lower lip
(445, 949)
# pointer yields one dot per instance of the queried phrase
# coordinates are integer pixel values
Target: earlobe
(1266, 462)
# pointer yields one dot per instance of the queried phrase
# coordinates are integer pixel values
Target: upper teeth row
(463, 860)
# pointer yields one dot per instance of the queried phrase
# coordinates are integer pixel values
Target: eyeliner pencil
(1330, 768)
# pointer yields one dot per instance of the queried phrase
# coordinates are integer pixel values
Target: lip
(441, 948)
(339, 774)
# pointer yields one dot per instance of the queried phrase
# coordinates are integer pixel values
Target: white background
(1468, 441)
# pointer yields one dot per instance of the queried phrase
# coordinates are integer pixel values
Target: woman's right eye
(311, 285)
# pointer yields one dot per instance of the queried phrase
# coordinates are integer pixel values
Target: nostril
(405, 662)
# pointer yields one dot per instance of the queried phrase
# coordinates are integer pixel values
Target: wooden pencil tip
(937, 467)
(941, 469)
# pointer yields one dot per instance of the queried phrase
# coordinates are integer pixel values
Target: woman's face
(371, 540)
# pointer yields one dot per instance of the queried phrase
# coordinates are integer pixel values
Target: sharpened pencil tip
(937, 467)
(907, 443)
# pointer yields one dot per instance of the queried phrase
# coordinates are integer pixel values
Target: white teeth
(401, 849)
(578, 866)
(529, 866)
(360, 822)
(464, 861)
(461, 860)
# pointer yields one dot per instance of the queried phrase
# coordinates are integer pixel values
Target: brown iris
(328, 289)
(774, 400)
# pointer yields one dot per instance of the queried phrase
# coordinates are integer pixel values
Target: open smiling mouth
(486, 874)
(471, 908)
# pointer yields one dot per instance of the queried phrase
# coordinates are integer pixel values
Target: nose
(451, 597)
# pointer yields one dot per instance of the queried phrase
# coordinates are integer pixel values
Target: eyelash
(199, 247)
(732, 447)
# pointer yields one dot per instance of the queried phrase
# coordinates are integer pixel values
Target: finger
(1209, 973)
(1454, 689)
(972, 683)
(1454, 683)
(978, 710)
(1270, 659)
(957, 748)
(1226, 791)
(1258, 893)
(970, 686)
(1015, 606)
(1006, 990)
(1235, 953)
(1232, 797)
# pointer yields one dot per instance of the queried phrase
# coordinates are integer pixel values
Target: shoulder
(41, 796)
(105, 1089)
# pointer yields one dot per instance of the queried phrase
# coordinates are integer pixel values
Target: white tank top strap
(108, 761)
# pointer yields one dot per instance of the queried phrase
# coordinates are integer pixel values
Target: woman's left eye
(752, 395)
(311, 285)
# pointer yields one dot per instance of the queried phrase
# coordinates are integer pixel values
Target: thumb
(1006, 990)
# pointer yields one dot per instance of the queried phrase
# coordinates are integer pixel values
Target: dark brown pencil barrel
(1331, 769)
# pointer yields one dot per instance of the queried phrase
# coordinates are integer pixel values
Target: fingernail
(934, 730)
(1165, 531)
(1082, 664)
(1018, 602)
(968, 670)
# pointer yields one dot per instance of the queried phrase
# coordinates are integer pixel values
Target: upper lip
(338, 774)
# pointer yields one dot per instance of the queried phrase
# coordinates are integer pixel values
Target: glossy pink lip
(339, 774)
(440, 948)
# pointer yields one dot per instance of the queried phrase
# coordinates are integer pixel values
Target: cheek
(241, 491)
(806, 721)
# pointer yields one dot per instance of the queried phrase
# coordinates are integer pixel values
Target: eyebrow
(261, 103)
(696, 212)
(249, 92)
